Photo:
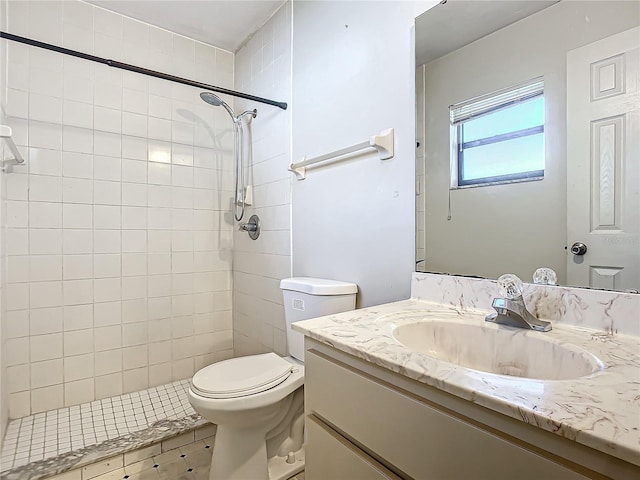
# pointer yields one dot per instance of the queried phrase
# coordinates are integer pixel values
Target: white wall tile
(106, 241)
(77, 317)
(159, 196)
(78, 367)
(108, 119)
(75, 139)
(107, 289)
(134, 334)
(134, 310)
(137, 379)
(77, 241)
(44, 136)
(134, 241)
(18, 378)
(107, 338)
(77, 114)
(78, 165)
(134, 124)
(77, 342)
(106, 168)
(80, 391)
(106, 265)
(17, 214)
(103, 220)
(44, 241)
(17, 296)
(109, 361)
(107, 193)
(135, 194)
(17, 351)
(17, 241)
(107, 217)
(47, 398)
(17, 186)
(44, 268)
(134, 287)
(17, 323)
(45, 320)
(134, 264)
(17, 269)
(108, 144)
(78, 292)
(77, 216)
(44, 374)
(107, 313)
(77, 190)
(76, 267)
(45, 215)
(45, 294)
(134, 171)
(45, 347)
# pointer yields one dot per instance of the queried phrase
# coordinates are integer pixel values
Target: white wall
(263, 68)
(119, 252)
(353, 76)
(4, 393)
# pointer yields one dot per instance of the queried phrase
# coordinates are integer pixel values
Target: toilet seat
(242, 376)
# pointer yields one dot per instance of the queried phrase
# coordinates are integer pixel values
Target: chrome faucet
(511, 310)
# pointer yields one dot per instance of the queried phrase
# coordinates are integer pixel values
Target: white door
(603, 162)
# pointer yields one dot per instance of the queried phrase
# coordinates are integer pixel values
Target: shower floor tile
(49, 434)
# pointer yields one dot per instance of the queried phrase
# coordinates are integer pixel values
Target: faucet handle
(545, 276)
(510, 286)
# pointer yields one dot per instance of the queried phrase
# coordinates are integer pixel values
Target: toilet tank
(306, 297)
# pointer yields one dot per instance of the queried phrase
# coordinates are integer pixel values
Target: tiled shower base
(51, 442)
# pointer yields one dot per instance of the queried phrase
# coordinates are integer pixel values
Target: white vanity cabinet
(365, 422)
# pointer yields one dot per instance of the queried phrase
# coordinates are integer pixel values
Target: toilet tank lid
(318, 286)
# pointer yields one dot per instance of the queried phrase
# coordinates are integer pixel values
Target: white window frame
(462, 112)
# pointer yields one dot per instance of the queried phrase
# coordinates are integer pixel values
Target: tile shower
(119, 248)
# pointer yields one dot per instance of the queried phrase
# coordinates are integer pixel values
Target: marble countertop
(600, 410)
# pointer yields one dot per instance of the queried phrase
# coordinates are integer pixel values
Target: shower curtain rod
(143, 71)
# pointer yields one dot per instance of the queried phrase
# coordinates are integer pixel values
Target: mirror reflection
(528, 134)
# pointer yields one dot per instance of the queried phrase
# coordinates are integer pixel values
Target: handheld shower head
(211, 99)
(216, 101)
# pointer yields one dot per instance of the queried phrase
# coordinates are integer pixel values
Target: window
(499, 137)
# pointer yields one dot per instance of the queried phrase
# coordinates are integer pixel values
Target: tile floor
(48, 434)
(191, 462)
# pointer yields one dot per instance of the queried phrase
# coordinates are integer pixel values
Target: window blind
(476, 107)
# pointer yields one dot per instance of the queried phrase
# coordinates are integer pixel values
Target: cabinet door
(333, 457)
(416, 437)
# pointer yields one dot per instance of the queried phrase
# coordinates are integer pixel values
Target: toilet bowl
(257, 401)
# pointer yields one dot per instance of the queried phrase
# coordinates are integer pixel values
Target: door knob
(578, 248)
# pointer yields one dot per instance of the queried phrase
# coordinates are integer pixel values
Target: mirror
(587, 54)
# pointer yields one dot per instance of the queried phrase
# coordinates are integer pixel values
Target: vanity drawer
(336, 458)
(412, 435)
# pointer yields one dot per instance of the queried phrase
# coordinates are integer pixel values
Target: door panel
(603, 162)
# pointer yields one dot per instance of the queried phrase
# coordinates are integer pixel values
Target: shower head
(211, 99)
(216, 101)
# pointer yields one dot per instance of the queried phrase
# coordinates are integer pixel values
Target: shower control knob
(578, 248)
(252, 227)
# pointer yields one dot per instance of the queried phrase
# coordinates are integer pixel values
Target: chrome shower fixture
(238, 150)
(216, 101)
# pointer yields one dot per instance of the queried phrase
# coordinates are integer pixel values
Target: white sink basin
(517, 353)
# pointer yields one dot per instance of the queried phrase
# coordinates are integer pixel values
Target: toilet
(257, 401)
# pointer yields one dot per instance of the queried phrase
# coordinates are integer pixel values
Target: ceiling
(455, 23)
(223, 23)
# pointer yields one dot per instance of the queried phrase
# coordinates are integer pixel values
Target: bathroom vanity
(378, 407)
